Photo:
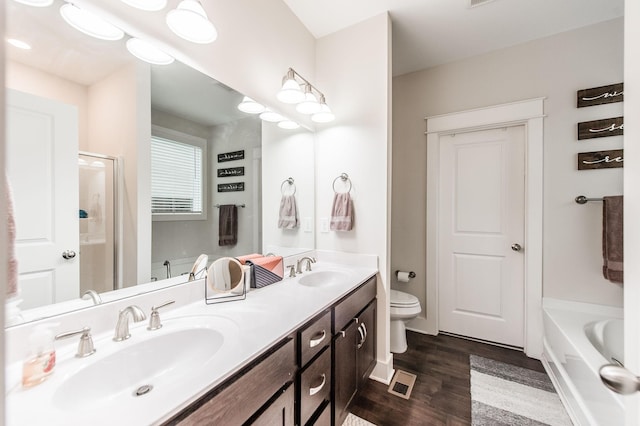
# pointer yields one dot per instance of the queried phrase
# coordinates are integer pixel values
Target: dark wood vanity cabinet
(308, 378)
(354, 346)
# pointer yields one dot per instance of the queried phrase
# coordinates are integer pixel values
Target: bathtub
(578, 339)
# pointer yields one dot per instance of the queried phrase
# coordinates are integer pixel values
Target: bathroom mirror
(71, 68)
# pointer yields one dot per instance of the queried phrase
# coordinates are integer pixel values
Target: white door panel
(481, 279)
(42, 169)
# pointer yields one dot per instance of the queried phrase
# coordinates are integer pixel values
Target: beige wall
(554, 68)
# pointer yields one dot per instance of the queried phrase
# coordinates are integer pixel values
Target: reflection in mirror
(105, 101)
(225, 281)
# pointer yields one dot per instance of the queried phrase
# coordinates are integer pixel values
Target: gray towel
(228, 225)
(612, 233)
(342, 212)
(288, 213)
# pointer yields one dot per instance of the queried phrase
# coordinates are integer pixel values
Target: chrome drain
(143, 390)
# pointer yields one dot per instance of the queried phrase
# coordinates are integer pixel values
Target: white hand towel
(342, 212)
(288, 213)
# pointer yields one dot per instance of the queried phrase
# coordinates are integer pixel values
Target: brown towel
(228, 225)
(342, 212)
(612, 247)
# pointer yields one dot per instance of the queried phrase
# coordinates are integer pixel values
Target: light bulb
(189, 21)
(290, 92)
(19, 43)
(90, 23)
(309, 105)
(250, 106)
(148, 52)
(288, 124)
(271, 116)
(324, 115)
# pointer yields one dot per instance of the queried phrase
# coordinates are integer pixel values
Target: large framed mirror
(85, 204)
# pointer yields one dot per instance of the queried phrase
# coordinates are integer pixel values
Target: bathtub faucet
(168, 265)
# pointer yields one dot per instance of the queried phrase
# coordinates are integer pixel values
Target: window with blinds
(177, 179)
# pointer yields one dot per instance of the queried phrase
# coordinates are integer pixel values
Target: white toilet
(404, 307)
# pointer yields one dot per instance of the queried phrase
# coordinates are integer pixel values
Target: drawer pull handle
(364, 327)
(315, 342)
(362, 337)
(313, 391)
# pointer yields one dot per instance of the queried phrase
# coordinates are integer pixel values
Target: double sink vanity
(294, 352)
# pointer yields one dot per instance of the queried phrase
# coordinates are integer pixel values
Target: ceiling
(427, 33)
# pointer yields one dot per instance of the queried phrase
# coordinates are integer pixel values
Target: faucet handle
(85, 346)
(154, 318)
(292, 270)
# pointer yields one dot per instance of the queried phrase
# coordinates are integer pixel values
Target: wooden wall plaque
(231, 187)
(601, 128)
(601, 95)
(231, 171)
(231, 156)
(600, 159)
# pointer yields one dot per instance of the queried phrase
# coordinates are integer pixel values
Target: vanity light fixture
(148, 52)
(298, 90)
(189, 21)
(324, 115)
(19, 44)
(36, 3)
(90, 23)
(270, 116)
(149, 5)
(250, 106)
(288, 124)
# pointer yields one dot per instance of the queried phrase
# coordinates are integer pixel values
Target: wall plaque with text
(231, 187)
(600, 95)
(601, 128)
(600, 159)
(231, 156)
(231, 171)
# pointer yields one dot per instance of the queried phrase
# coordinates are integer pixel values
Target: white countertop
(265, 317)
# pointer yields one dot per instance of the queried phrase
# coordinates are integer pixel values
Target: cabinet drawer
(349, 307)
(236, 400)
(280, 411)
(315, 385)
(314, 338)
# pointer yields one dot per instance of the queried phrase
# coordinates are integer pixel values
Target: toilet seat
(400, 299)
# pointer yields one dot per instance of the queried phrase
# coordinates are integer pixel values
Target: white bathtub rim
(588, 308)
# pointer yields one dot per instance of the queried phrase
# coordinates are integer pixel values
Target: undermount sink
(139, 368)
(323, 278)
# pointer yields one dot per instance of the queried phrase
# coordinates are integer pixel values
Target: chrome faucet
(91, 294)
(154, 318)
(122, 327)
(309, 260)
(168, 265)
(85, 346)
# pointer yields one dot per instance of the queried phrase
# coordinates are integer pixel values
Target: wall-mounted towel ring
(290, 182)
(345, 178)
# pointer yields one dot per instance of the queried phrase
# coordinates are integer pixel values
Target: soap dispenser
(41, 360)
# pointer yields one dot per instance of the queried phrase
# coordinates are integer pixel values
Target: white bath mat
(353, 420)
(510, 395)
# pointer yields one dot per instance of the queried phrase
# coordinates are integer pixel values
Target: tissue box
(265, 270)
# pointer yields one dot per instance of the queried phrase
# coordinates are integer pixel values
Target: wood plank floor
(442, 392)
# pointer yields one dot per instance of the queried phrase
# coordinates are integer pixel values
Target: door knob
(68, 254)
(516, 247)
(619, 379)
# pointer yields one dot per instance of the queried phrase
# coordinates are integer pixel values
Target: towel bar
(581, 199)
(237, 205)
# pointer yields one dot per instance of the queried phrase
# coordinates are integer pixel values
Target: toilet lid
(400, 298)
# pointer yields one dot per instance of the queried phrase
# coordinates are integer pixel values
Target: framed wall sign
(231, 171)
(231, 187)
(600, 95)
(601, 128)
(600, 159)
(231, 156)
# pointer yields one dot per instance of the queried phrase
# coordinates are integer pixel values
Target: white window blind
(176, 177)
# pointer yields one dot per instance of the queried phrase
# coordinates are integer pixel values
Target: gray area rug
(353, 420)
(503, 394)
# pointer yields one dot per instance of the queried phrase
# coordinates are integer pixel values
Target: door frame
(529, 113)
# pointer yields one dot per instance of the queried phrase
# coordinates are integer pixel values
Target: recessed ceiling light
(149, 5)
(190, 21)
(148, 52)
(90, 23)
(36, 3)
(19, 43)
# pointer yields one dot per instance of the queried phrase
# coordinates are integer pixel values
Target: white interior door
(480, 235)
(42, 170)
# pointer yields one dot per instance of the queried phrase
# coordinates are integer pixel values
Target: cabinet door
(280, 412)
(345, 370)
(366, 343)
